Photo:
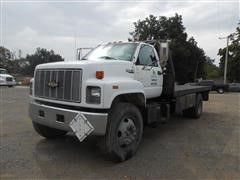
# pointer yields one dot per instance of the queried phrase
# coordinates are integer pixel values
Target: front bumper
(48, 116)
(7, 83)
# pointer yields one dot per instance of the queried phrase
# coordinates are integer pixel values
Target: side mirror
(153, 58)
(164, 70)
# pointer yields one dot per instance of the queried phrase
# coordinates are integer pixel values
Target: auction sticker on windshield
(81, 126)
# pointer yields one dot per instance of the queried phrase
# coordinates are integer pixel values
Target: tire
(47, 132)
(220, 91)
(196, 111)
(124, 132)
(10, 86)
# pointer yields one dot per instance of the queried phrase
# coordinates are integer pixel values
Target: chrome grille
(9, 79)
(58, 84)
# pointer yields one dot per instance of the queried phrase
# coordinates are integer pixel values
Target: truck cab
(6, 79)
(112, 92)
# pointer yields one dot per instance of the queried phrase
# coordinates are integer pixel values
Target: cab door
(148, 71)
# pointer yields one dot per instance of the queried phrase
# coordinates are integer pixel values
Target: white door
(148, 71)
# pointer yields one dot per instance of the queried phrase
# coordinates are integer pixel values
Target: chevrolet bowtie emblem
(52, 84)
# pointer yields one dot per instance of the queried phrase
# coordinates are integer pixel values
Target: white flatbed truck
(112, 92)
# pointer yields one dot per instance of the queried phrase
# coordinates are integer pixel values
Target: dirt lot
(183, 148)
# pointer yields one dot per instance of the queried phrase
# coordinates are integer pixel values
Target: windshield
(3, 71)
(120, 51)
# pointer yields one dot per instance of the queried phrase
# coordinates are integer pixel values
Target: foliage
(188, 58)
(39, 57)
(5, 57)
(26, 66)
(233, 66)
(212, 71)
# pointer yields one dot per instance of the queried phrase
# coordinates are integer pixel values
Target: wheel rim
(127, 132)
(200, 108)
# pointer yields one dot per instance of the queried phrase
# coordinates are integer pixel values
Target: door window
(147, 56)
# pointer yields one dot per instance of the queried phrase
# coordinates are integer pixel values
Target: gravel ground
(207, 148)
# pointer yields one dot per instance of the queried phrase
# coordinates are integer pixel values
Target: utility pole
(226, 60)
(226, 56)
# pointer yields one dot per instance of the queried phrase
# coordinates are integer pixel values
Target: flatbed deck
(181, 90)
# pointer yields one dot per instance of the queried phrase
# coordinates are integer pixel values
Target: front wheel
(125, 129)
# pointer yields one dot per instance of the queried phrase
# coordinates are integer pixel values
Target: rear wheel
(124, 132)
(47, 132)
(195, 111)
(220, 91)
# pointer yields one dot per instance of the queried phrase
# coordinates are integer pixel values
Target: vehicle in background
(6, 79)
(234, 87)
(219, 87)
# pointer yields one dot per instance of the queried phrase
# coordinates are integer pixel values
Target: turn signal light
(99, 74)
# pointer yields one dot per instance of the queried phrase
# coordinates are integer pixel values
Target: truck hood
(111, 68)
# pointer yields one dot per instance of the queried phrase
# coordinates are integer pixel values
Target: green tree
(26, 66)
(212, 71)
(233, 66)
(8, 61)
(188, 58)
(40, 56)
(5, 57)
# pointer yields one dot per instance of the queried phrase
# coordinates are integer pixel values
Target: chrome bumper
(48, 115)
(7, 83)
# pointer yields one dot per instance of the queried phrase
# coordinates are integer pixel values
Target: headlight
(2, 79)
(93, 95)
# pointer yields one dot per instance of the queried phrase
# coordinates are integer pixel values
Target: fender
(112, 89)
(115, 86)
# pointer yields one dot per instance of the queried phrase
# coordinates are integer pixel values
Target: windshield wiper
(108, 57)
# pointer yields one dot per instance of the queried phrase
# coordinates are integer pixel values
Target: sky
(63, 25)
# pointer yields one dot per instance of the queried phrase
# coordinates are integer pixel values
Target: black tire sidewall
(199, 103)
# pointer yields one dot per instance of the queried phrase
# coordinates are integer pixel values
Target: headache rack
(162, 48)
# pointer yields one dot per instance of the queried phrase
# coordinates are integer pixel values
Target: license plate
(81, 126)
